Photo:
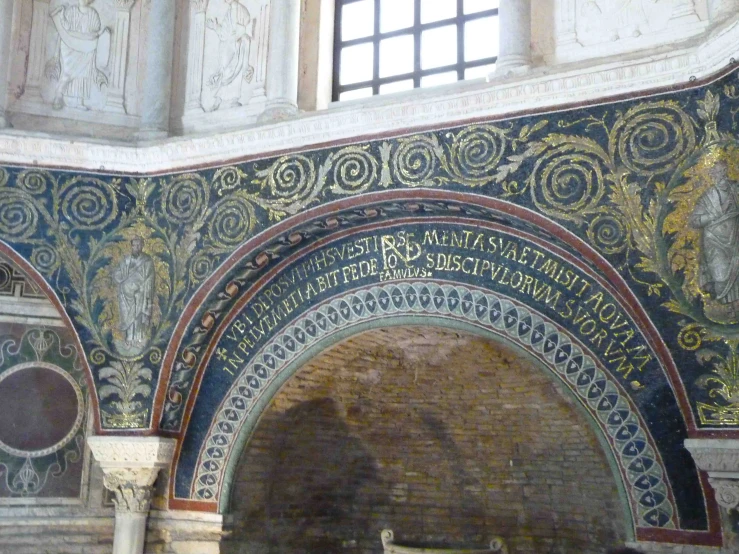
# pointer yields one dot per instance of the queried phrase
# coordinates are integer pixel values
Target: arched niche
(445, 436)
(235, 360)
(44, 394)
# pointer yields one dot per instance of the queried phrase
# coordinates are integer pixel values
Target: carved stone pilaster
(6, 20)
(720, 459)
(37, 53)
(130, 466)
(155, 100)
(119, 60)
(195, 55)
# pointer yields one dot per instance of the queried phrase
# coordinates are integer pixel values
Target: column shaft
(130, 532)
(130, 466)
(282, 62)
(6, 25)
(514, 55)
(158, 77)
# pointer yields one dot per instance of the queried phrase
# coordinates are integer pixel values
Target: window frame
(415, 31)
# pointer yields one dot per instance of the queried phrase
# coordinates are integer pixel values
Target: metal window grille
(376, 39)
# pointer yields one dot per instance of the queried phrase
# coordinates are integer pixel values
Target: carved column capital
(133, 488)
(199, 5)
(130, 466)
(124, 5)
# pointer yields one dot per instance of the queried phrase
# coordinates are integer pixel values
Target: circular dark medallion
(40, 409)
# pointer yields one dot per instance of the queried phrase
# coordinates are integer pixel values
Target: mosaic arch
(635, 198)
(445, 257)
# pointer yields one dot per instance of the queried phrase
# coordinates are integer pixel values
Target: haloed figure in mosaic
(134, 277)
(716, 214)
(83, 46)
(235, 34)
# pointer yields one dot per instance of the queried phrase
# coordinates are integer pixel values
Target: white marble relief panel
(74, 59)
(222, 61)
(572, 30)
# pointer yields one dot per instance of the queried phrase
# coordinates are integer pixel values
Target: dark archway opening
(444, 437)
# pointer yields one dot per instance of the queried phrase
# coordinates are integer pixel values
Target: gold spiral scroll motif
(232, 221)
(32, 181)
(88, 205)
(186, 198)
(416, 161)
(355, 171)
(45, 259)
(653, 138)
(608, 234)
(568, 181)
(476, 151)
(291, 179)
(18, 215)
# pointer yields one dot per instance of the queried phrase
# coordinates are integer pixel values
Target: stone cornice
(543, 88)
(719, 457)
(132, 452)
(130, 466)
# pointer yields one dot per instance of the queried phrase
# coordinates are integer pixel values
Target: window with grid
(383, 46)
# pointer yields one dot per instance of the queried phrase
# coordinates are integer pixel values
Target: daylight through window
(384, 46)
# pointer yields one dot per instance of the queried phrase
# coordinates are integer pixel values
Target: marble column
(117, 86)
(6, 24)
(720, 459)
(158, 76)
(130, 466)
(282, 61)
(514, 54)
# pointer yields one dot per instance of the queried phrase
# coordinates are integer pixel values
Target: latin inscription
(483, 258)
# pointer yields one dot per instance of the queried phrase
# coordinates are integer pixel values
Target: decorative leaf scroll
(623, 178)
(627, 184)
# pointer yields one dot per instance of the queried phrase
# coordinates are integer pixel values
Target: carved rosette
(130, 466)
(727, 492)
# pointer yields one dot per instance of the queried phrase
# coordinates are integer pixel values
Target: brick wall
(445, 438)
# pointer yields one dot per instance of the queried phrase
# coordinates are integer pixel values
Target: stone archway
(446, 437)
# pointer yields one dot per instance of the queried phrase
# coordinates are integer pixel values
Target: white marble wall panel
(575, 30)
(75, 60)
(221, 65)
